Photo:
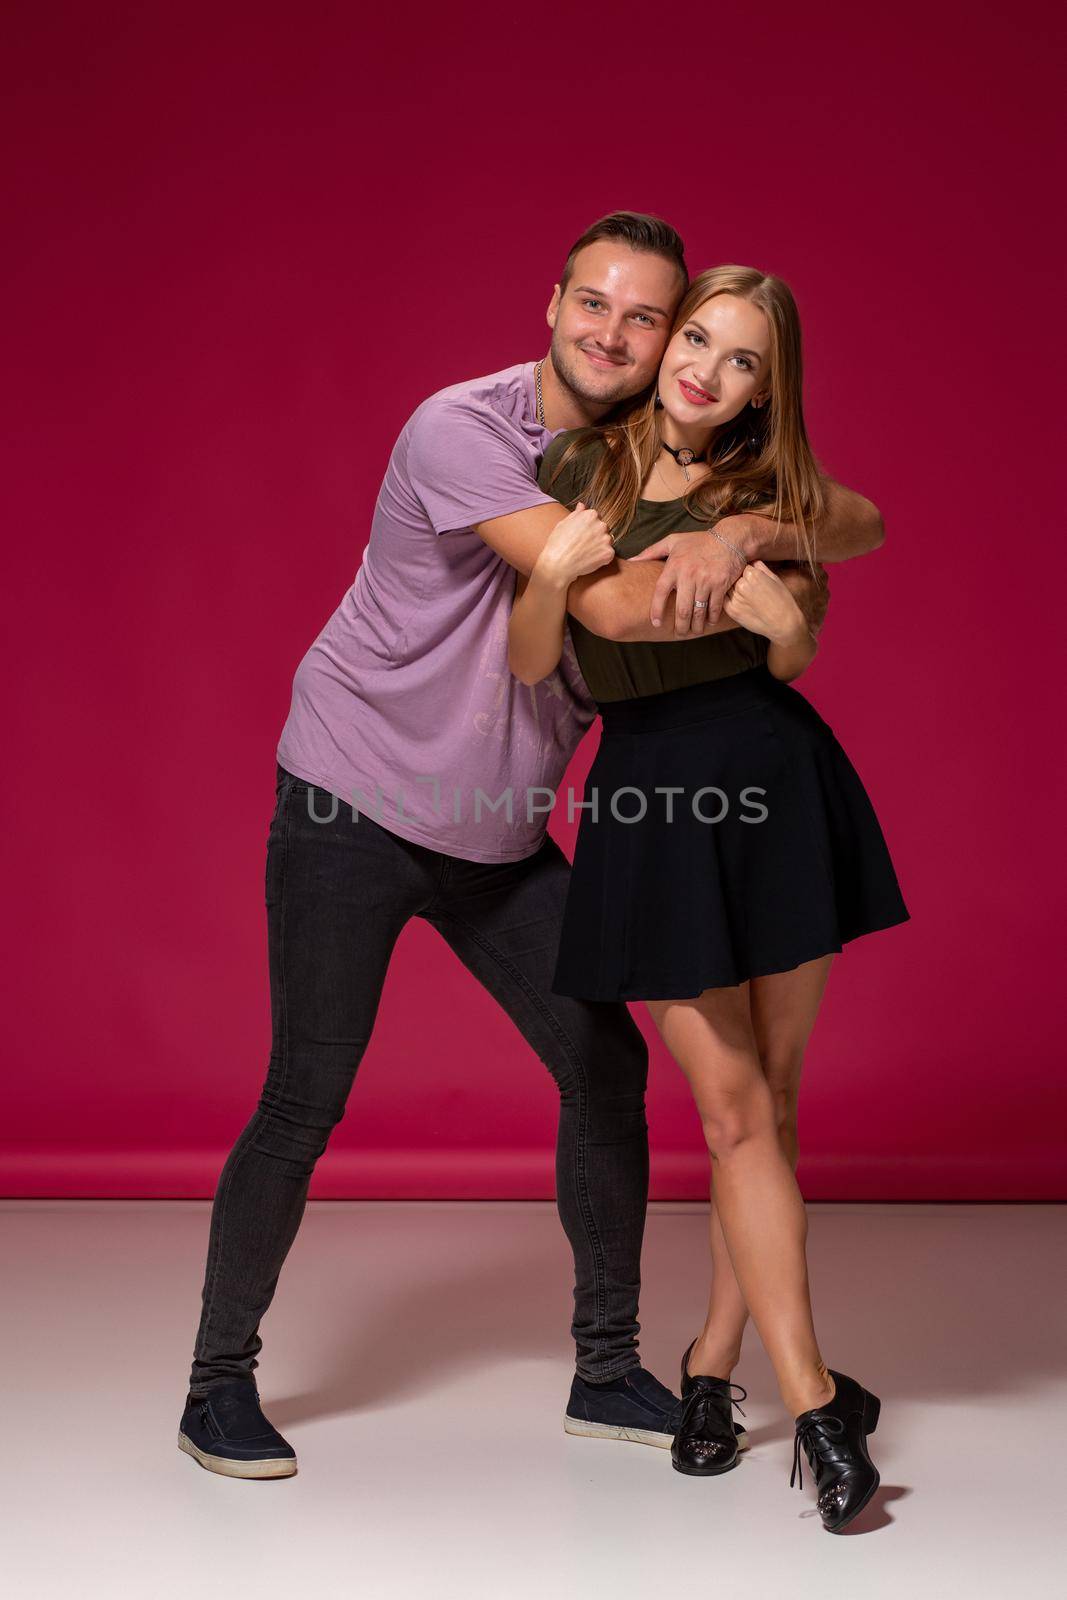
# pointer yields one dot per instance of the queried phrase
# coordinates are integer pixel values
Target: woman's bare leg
(760, 1208)
(783, 1007)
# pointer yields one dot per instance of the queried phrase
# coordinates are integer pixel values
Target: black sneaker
(227, 1432)
(635, 1407)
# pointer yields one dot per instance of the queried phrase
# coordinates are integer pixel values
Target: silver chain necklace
(540, 398)
(663, 480)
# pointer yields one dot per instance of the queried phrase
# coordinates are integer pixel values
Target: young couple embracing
(633, 526)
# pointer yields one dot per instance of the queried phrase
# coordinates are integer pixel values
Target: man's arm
(850, 526)
(614, 601)
(691, 567)
(619, 597)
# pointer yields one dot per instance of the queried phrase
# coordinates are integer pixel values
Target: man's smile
(600, 359)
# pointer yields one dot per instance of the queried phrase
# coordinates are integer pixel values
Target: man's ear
(553, 307)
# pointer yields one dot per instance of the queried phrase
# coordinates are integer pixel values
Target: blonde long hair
(761, 461)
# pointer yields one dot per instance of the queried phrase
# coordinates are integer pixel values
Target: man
(405, 709)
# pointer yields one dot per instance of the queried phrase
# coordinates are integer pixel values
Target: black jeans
(338, 894)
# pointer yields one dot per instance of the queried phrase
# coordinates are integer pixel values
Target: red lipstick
(695, 396)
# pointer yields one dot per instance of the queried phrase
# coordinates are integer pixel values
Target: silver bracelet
(723, 540)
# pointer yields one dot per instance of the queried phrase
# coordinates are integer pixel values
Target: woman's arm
(788, 658)
(761, 602)
(535, 631)
(578, 544)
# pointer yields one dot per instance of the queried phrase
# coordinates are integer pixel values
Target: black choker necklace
(683, 456)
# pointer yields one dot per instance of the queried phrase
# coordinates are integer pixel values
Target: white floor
(417, 1357)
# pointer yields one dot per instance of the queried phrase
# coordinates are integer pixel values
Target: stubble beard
(568, 372)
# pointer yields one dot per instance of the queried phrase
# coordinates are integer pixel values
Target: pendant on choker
(683, 456)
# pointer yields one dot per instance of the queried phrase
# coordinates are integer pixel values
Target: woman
(733, 850)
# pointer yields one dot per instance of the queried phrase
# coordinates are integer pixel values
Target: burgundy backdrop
(243, 243)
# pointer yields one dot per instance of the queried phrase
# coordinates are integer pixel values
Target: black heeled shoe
(706, 1442)
(834, 1438)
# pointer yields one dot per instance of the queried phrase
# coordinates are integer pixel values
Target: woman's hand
(762, 603)
(578, 544)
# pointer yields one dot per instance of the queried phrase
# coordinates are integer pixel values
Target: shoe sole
(703, 1472)
(267, 1468)
(606, 1430)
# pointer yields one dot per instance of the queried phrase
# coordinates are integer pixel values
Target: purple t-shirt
(404, 705)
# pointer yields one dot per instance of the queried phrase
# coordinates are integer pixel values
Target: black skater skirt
(767, 853)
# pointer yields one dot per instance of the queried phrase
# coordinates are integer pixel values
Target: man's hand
(698, 567)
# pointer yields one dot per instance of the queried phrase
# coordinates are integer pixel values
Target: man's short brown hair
(649, 234)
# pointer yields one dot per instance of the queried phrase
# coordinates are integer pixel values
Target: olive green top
(619, 671)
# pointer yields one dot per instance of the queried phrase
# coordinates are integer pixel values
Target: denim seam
(285, 1072)
(613, 1370)
(442, 879)
(568, 1044)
